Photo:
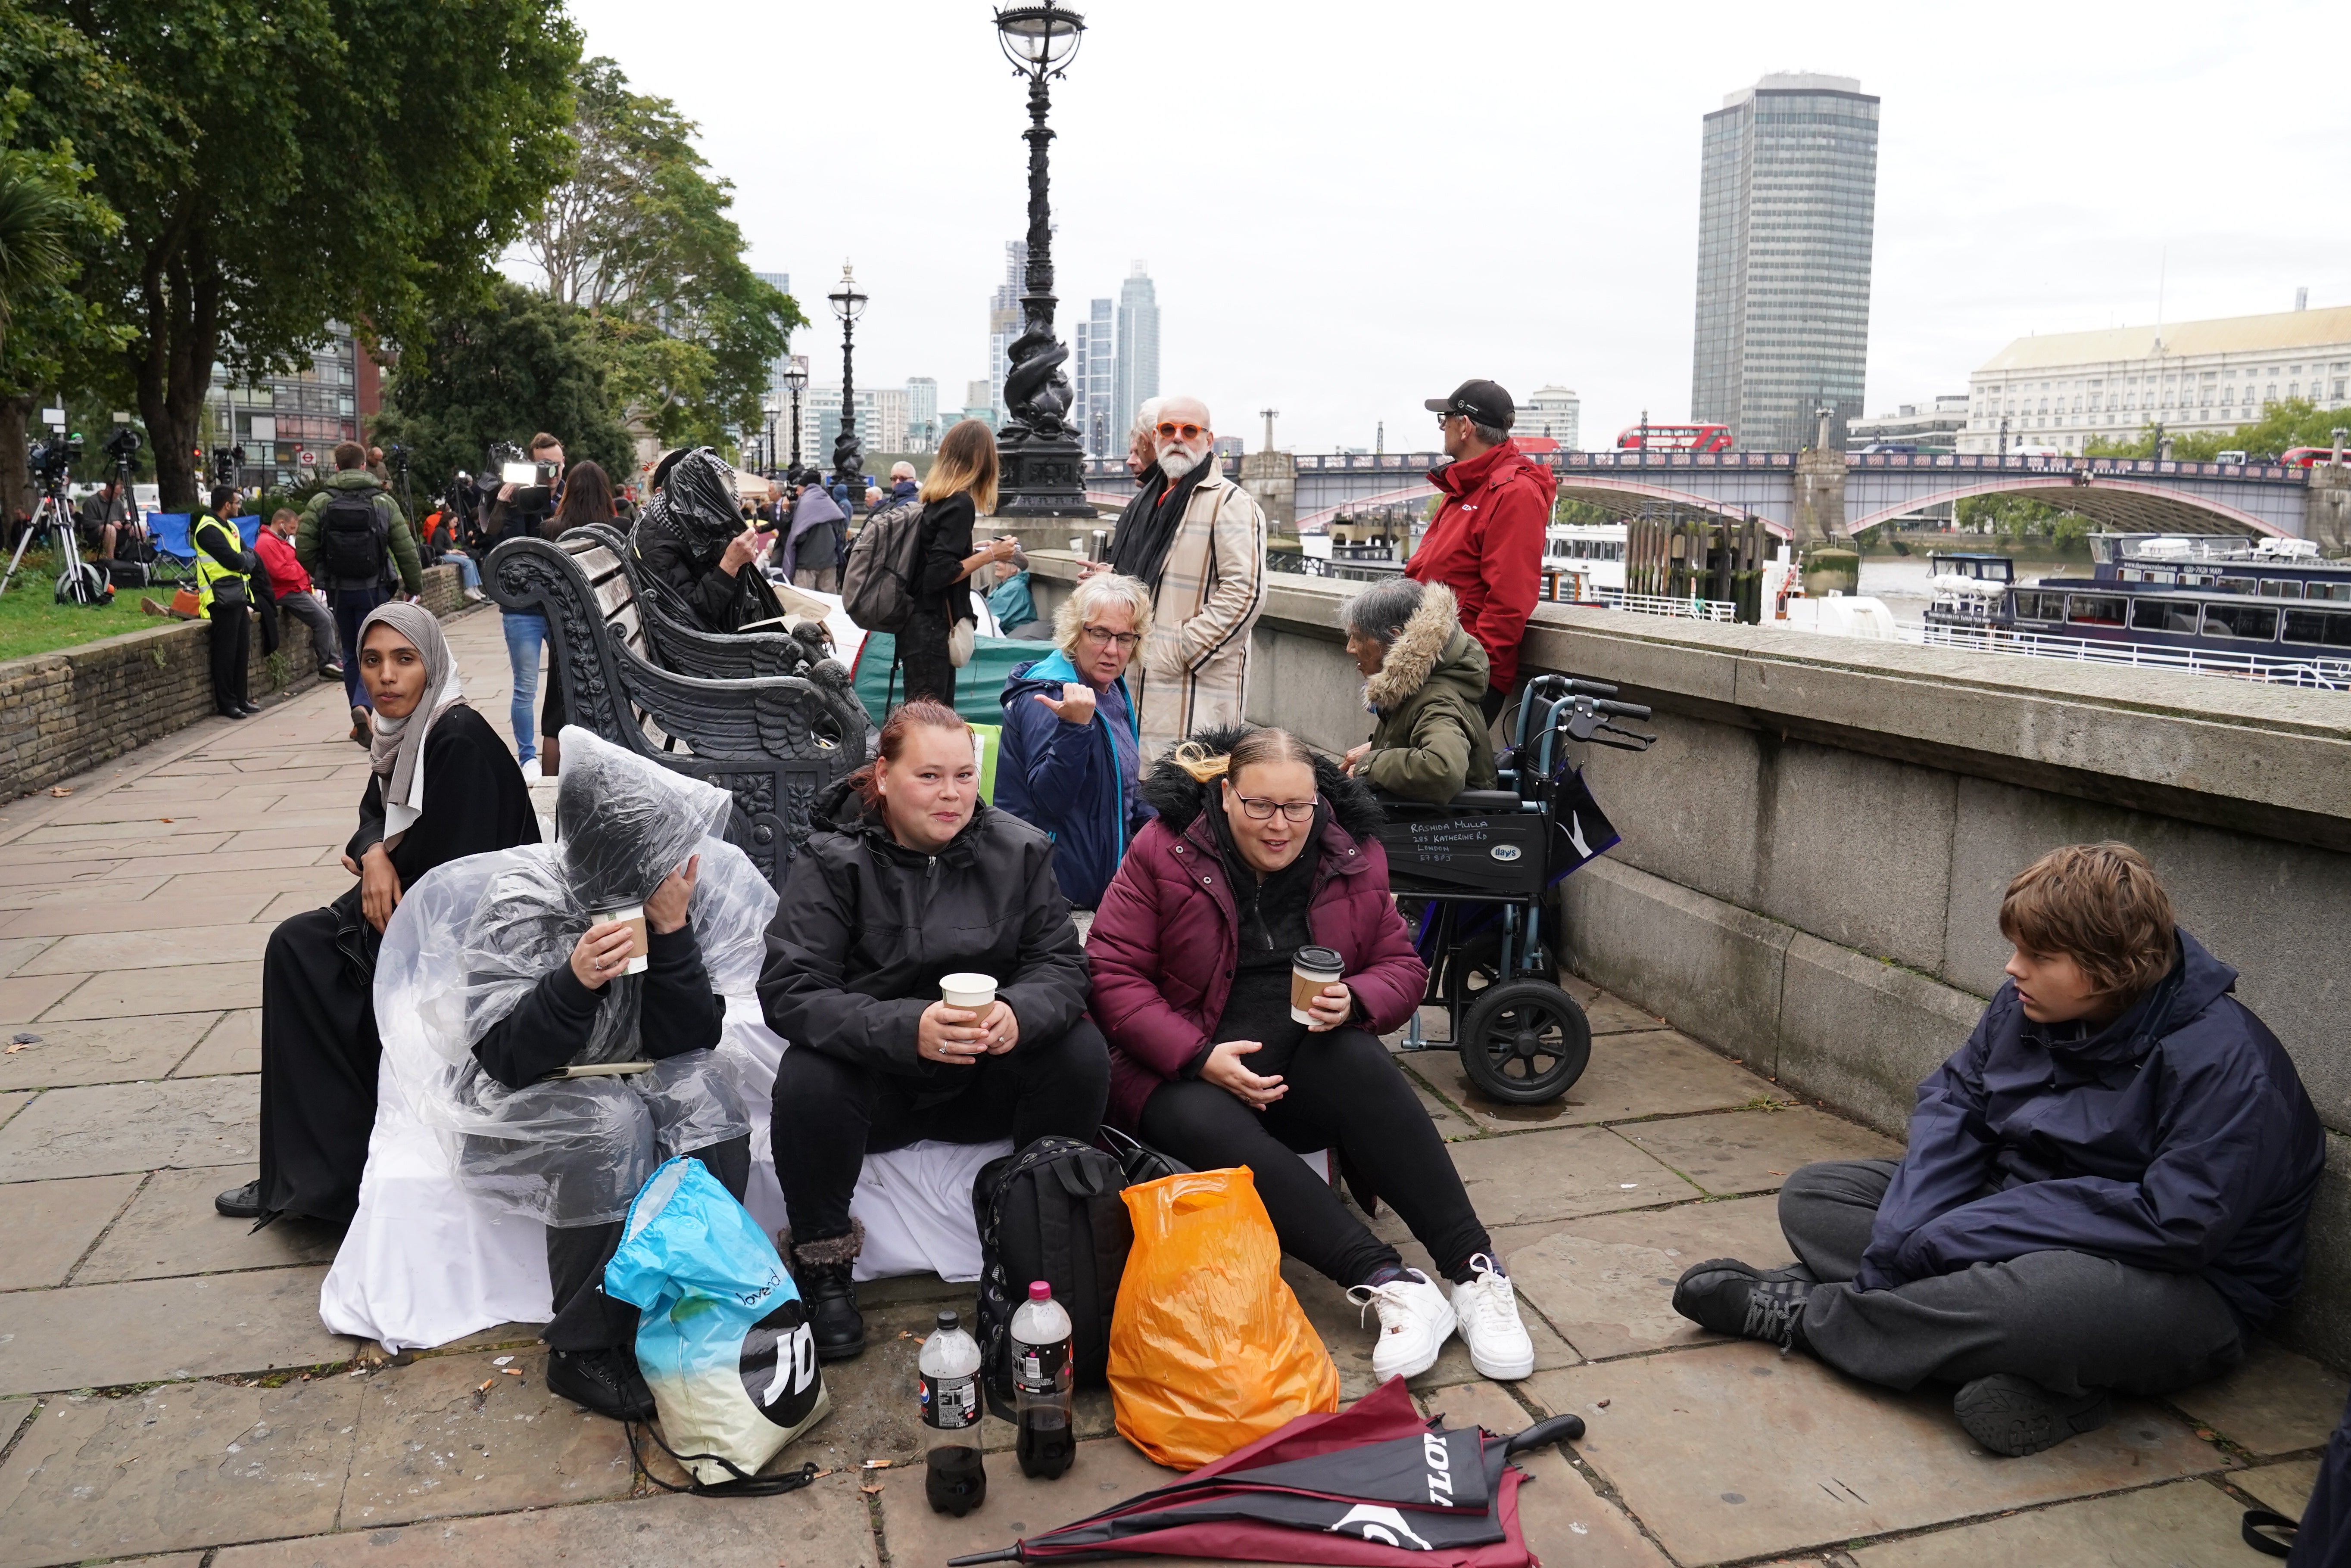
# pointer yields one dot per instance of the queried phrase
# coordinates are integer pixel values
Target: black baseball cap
(1483, 401)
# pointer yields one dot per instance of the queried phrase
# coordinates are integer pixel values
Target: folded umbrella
(1370, 1485)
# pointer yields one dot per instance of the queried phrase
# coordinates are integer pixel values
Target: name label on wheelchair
(1499, 853)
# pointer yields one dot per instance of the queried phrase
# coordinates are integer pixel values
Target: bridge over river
(1824, 493)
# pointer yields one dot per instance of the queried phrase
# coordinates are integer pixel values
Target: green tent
(978, 685)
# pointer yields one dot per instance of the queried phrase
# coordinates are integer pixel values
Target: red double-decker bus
(1673, 437)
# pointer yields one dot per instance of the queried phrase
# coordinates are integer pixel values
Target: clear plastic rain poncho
(473, 937)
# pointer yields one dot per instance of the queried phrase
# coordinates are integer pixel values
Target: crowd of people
(2106, 1189)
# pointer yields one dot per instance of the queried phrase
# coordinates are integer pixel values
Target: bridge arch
(1619, 496)
(2129, 505)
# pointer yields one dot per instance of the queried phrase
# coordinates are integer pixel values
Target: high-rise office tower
(1787, 209)
(777, 395)
(923, 427)
(1093, 367)
(1004, 321)
(1137, 378)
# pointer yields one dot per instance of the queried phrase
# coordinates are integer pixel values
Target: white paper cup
(635, 917)
(972, 990)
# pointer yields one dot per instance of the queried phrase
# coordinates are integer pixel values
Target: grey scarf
(396, 751)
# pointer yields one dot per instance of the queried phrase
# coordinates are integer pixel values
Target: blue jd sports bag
(724, 1339)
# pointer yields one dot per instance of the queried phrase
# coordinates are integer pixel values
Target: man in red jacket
(1486, 541)
(290, 591)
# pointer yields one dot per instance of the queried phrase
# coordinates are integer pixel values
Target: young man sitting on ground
(2106, 1189)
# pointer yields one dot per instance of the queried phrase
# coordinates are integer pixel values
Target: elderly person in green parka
(1422, 679)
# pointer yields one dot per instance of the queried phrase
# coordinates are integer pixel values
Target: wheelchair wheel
(1525, 1043)
(1476, 968)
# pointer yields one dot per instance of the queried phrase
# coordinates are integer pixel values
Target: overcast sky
(1349, 208)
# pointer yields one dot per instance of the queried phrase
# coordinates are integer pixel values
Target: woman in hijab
(441, 785)
(693, 542)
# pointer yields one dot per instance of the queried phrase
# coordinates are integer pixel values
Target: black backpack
(1051, 1211)
(877, 573)
(354, 542)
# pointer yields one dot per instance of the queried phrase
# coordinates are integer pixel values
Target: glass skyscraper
(1787, 210)
(1093, 365)
(1138, 352)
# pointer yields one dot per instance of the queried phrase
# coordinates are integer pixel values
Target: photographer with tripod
(51, 465)
(352, 537)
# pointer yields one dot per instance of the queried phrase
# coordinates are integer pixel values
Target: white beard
(1178, 460)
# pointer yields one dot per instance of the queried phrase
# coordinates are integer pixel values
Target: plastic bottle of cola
(1041, 1384)
(948, 1374)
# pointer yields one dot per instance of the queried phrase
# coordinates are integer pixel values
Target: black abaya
(318, 1041)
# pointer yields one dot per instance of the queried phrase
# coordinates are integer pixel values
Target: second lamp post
(848, 457)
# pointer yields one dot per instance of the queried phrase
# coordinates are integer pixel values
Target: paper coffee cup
(1311, 969)
(972, 990)
(635, 918)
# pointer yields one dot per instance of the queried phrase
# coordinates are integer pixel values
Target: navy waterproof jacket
(1064, 778)
(2177, 1138)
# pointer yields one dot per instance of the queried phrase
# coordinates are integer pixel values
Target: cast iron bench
(677, 643)
(773, 742)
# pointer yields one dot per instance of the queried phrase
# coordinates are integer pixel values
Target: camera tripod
(77, 582)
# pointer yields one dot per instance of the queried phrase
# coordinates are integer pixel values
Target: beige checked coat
(1193, 670)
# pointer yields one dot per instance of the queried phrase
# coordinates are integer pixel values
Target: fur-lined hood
(1431, 643)
(1178, 797)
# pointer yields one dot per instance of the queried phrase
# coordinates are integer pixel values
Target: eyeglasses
(1263, 810)
(1445, 420)
(1102, 637)
(1170, 429)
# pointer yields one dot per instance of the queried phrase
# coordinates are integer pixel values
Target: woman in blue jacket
(1071, 744)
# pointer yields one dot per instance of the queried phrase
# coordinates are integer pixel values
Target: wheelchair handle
(1620, 710)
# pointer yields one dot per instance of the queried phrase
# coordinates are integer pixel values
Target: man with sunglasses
(1486, 542)
(1197, 540)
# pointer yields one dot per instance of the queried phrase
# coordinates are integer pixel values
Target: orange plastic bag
(1209, 1349)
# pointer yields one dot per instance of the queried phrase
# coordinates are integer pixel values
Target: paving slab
(1733, 1451)
(17, 951)
(1607, 1282)
(185, 1465)
(1658, 1072)
(2276, 1403)
(184, 988)
(172, 1229)
(24, 1000)
(231, 1045)
(116, 849)
(100, 1129)
(1559, 1174)
(1350, 1334)
(189, 943)
(103, 1051)
(1756, 1151)
(142, 825)
(2187, 1524)
(46, 1226)
(327, 882)
(142, 1331)
(301, 901)
(10, 1104)
(1451, 1122)
(827, 1525)
(432, 1442)
(12, 1416)
(2284, 1486)
(205, 867)
(1564, 1520)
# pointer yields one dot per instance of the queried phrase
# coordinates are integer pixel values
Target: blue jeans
(351, 607)
(525, 634)
(469, 576)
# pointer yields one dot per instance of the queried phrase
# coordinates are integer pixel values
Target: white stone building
(1553, 411)
(2065, 389)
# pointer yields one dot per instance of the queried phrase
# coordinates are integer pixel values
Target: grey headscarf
(396, 752)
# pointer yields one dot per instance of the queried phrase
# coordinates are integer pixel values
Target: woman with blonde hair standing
(961, 485)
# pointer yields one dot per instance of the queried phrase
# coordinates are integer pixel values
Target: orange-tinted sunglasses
(1189, 432)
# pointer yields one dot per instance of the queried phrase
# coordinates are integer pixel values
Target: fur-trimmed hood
(1178, 797)
(1431, 642)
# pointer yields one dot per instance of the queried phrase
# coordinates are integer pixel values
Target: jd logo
(1384, 1525)
(779, 1365)
(1506, 853)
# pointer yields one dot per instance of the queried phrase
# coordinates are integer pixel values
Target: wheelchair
(1481, 866)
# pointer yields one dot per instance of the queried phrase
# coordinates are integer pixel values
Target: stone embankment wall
(66, 711)
(1815, 848)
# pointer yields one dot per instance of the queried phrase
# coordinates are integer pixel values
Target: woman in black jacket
(693, 542)
(961, 485)
(442, 786)
(916, 879)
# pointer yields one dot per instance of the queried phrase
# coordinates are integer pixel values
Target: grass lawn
(32, 621)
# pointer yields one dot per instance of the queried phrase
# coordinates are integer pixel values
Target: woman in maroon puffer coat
(1263, 847)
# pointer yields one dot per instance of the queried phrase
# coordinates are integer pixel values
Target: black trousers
(2069, 1321)
(830, 1114)
(232, 633)
(923, 666)
(1344, 1093)
(318, 1056)
(585, 1317)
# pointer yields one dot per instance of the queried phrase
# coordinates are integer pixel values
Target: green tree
(639, 236)
(2016, 518)
(502, 370)
(2283, 425)
(281, 164)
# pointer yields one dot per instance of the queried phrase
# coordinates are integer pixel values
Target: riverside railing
(2324, 674)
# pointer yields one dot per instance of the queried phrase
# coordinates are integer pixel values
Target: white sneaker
(1486, 1310)
(1414, 1323)
(531, 774)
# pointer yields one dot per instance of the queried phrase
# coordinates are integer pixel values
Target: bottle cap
(1039, 1291)
(949, 1322)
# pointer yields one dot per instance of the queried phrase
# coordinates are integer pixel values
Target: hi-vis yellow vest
(208, 570)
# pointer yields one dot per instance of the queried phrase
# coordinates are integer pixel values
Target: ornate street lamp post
(797, 379)
(848, 458)
(1043, 460)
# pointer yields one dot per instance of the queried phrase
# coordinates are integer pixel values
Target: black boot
(821, 1268)
(606, 1381)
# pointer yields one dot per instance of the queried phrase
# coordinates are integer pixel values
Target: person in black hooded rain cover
(692, 540)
